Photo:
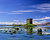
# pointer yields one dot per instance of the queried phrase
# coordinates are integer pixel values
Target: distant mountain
(44, 24)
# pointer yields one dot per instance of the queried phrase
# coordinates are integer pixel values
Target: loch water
(23, 35)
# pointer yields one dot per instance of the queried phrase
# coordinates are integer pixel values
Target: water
(23, 36)
(43, 26)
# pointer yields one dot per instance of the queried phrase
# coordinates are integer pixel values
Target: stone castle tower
(29, 21)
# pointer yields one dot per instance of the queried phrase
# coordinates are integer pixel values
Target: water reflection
(39, 31)
(29, 31)
(20, 33)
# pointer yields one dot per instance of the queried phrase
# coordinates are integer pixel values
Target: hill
(44, 24)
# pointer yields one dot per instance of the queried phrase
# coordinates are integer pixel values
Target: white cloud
(16, 20)
(42, 18)
(20, 21)
(39, 22)
(7, 23)
(35, 22)
(42, 7)
(43, 11)
(10, 23)
(23, 11)
(3, 12)
(15, 13)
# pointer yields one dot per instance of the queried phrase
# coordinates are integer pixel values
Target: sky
(17, 11)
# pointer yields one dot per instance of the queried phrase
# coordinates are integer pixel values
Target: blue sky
(17, 11)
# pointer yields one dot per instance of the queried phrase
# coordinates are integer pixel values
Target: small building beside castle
(29, 21)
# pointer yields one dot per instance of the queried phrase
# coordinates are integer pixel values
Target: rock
(39, 31)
